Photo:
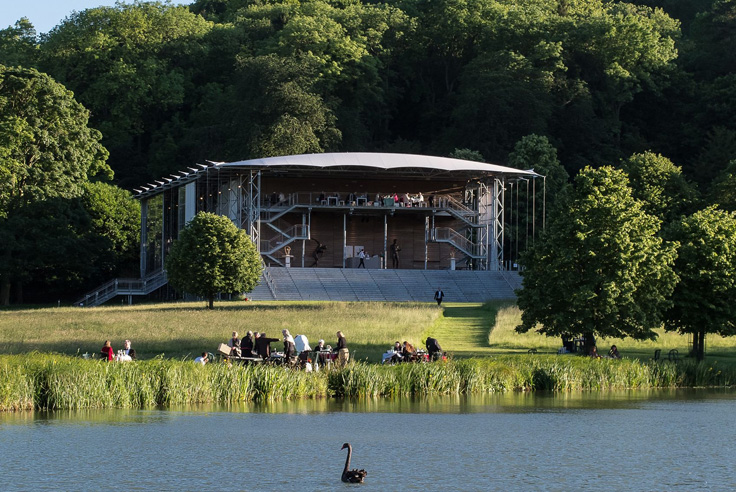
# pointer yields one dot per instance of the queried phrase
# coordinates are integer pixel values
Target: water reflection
(516, 402)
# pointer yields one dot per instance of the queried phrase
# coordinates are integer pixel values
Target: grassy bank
(186, 329)
(63, 382)
(502, 339)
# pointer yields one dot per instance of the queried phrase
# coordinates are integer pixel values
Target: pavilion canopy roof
(347, 164)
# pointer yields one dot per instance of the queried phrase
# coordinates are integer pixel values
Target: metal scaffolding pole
(426, 240)
(253, 208)
(144, 236)
(385, 241)
(304, 242)
(497, 206)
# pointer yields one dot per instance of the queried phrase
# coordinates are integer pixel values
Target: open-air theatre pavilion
(445, 214)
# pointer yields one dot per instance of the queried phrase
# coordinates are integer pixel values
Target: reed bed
(520, 373)
(51, 381)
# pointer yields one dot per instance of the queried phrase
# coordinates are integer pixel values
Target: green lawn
(185, 329)
(503, 339)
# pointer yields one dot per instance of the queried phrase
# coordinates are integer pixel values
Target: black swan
(351, 476)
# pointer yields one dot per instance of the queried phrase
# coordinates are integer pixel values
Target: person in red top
(107, 353)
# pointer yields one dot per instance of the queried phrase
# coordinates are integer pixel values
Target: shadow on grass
(237, 306)
(182, 348)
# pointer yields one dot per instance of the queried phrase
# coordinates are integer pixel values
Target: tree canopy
(660, 185)
(545, 84)
(600, 268)
(47, 155)
(703, 301)
(723, 192)
(48, 149)
(213, 256)
(231, 80)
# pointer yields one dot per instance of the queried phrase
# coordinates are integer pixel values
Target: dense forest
(167, 85)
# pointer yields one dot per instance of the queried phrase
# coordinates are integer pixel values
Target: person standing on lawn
(343, 355)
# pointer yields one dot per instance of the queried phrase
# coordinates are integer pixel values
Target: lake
(632, 440)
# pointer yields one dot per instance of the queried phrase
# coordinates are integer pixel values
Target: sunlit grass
(183, 330)
(502, 339)
(187, 329)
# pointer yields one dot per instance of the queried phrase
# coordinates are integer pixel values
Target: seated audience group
(406, 352)
(126, 353)
(255, 345)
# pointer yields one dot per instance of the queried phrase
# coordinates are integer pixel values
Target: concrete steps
(352, 284)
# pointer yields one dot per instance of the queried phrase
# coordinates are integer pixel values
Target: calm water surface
(675, 440)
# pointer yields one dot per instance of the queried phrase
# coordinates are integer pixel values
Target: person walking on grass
(438, 296)
(343, 355)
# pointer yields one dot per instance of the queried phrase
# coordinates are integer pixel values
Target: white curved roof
(347, 161)
(377, 161)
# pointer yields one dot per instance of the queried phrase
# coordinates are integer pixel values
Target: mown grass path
(463, 329)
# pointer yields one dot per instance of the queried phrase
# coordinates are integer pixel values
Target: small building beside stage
(326, 208)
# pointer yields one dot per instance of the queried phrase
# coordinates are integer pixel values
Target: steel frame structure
(235, 190)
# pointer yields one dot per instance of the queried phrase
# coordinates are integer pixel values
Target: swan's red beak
(344, 446)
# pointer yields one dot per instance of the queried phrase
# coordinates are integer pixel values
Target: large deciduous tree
(134, 67)
(600, 268)
(704, 300)
(213, 256)
(19, 45)
(537, 153)
(723, 191)
(660, 185)
(115, 217)
(47, 153)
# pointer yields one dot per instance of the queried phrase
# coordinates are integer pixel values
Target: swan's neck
(347, 460)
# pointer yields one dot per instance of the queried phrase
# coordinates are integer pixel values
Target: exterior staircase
(353, 284)
(343, 284)
(123, 287)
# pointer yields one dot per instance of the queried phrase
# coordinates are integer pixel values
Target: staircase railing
(123, 286)
(268, 278)
(283, 238)
(460, 211)
(451, 236)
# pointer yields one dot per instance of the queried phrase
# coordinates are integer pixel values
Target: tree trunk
(19, 292)
(701, 345)
(694, 352)
(211, 302)
(589, 342)
(4, 291)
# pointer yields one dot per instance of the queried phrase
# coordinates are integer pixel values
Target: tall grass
(63, 382)
(17, 385)
(521, 373)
